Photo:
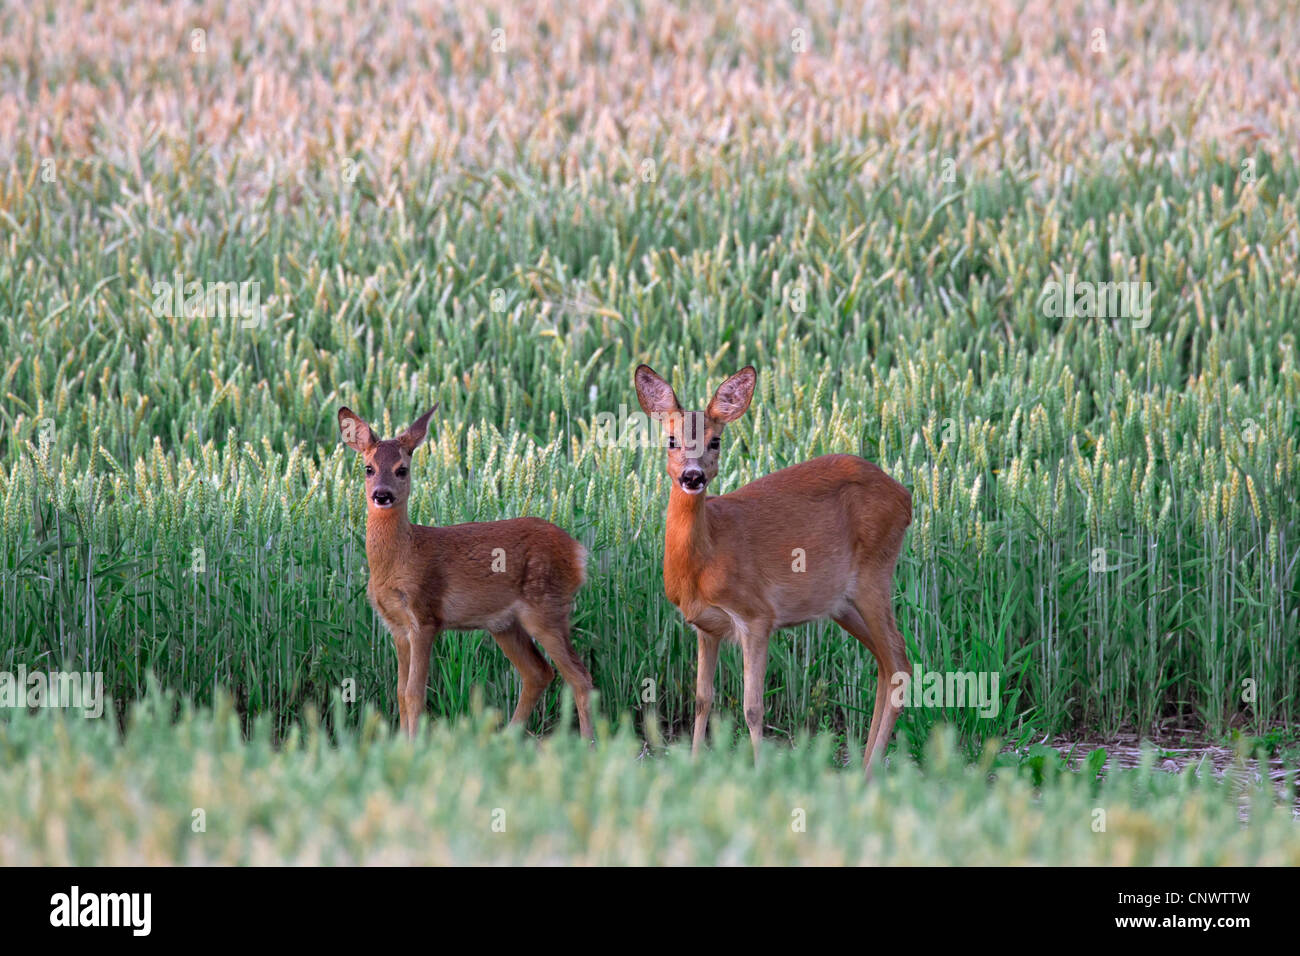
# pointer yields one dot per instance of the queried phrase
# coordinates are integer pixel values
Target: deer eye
(715, 444)
(369, 470)
(672, 441)
(401, 473)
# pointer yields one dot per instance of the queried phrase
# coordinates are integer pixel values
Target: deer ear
(356, 433)
(733, 396)
(411, 438)
(655, 395)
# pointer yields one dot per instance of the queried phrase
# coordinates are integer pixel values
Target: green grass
(184, 786)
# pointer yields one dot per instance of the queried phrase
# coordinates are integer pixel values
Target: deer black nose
(383, 498)
(692, 477)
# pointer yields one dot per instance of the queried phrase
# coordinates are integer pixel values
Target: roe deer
(812, 541)
(515, 579)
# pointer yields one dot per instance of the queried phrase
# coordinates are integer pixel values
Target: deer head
(694, 438)
(388, 462)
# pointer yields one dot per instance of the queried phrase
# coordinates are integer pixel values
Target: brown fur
(515, 578)
(730, 561)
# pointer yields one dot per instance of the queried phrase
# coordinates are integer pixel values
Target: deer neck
(388, 540)
(687, 543)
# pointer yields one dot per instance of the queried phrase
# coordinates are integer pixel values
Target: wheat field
(505, 209)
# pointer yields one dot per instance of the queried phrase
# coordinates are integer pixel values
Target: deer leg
(552, 632)
(871, 621)
(890, 711)
(753, 646)
(417, 680)
(533, 670)
(402, 642)
(705, 667)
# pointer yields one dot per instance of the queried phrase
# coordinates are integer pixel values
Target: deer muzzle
(692, 479)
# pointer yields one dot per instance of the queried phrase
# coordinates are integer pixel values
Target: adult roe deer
(812, 541)
(514, 578)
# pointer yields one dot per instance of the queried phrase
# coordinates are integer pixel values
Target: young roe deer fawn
(812, 541)
(515, 579)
